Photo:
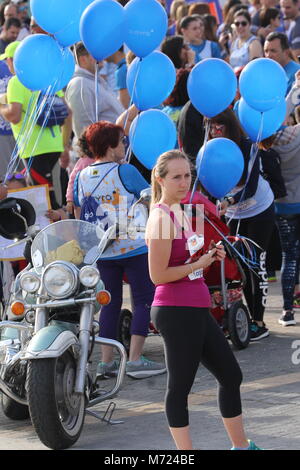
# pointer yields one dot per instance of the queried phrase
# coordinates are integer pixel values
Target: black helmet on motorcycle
(16, 215)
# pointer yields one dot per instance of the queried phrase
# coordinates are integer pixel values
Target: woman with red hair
(114, 187)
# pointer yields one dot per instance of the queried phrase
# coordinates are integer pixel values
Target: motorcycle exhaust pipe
(6, 390)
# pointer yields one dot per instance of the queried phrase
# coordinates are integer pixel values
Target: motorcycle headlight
(60, 279)
(30, 282)
(89, 276)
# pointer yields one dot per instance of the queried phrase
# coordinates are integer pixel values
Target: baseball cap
(10, 50)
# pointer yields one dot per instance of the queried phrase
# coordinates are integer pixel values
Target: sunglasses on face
(240, 23)
(16, 176)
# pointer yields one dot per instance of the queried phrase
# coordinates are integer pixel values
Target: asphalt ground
(270, 397)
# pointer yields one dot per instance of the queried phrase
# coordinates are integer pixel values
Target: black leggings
(259, 229)
(191, 335)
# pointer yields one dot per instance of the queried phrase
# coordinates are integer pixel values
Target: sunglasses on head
(240, 23)
(15, 176)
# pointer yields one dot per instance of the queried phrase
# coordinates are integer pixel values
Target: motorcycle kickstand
(109, 410)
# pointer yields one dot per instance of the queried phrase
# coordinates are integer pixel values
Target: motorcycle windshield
(74, 241)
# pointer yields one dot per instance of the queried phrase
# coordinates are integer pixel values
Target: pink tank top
(184, 292)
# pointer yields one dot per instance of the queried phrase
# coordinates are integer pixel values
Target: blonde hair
(161, 170)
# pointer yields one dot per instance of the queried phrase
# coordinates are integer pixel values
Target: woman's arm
(255, 49)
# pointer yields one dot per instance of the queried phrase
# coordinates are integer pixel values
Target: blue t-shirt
(290, 69)
(208, 48)
(5, 76)
(120, 75)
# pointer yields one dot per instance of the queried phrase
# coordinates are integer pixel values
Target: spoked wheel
(57, 413)
(239, 325)
(124, 335)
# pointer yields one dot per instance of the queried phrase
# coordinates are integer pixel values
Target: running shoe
(258, 332)
(296, 302)
(252, 446)
(107, 369)
(287, 318)
(144, 368)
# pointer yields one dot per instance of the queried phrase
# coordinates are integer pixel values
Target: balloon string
(96, 91)
(129, 152)
(248, 262)
(253, 155)
(206, 135)
(15, 153)
(33, 112)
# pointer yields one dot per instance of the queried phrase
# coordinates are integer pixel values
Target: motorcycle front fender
(50, 342)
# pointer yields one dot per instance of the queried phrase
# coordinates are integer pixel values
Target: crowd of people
(87, 156)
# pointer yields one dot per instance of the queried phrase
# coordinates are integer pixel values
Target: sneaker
(258, 332)
(287, 318)
(296, 302)
(252, 446)
(107, 369)
(144, 368)
(272, 276)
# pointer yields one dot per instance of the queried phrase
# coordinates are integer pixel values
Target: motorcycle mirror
(145, 193)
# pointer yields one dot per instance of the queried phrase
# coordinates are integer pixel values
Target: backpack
(271, 171)
(89, 205)
(53, 113)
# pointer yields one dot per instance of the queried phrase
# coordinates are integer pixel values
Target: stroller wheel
(124, 327)
(239, 325)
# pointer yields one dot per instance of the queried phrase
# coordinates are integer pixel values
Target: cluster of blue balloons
(45, 62)
(142, 24)
(212, 86)
(262, 108)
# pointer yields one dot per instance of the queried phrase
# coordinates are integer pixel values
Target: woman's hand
(223, 206)
(3, 192)
(297, 79)
(70, 207)
(205, 260)
(220, 253)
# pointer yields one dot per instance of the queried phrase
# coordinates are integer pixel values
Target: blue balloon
(150, 80)
(151, 133)
(212, 86)
(220, 165)
(55, 15)
(102, 28)
(263, 84)
(38, 62)
(65, 73)
(70, 33)
(146, 26)
(259, 125)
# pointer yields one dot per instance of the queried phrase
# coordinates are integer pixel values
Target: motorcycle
(45, 368)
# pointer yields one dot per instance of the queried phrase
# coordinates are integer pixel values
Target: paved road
(270, 393)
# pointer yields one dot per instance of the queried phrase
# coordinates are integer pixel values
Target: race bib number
(195, 243)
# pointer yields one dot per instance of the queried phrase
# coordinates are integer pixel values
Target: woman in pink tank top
(180, 309)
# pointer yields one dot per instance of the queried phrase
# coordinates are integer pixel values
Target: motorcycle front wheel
(56, 412)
